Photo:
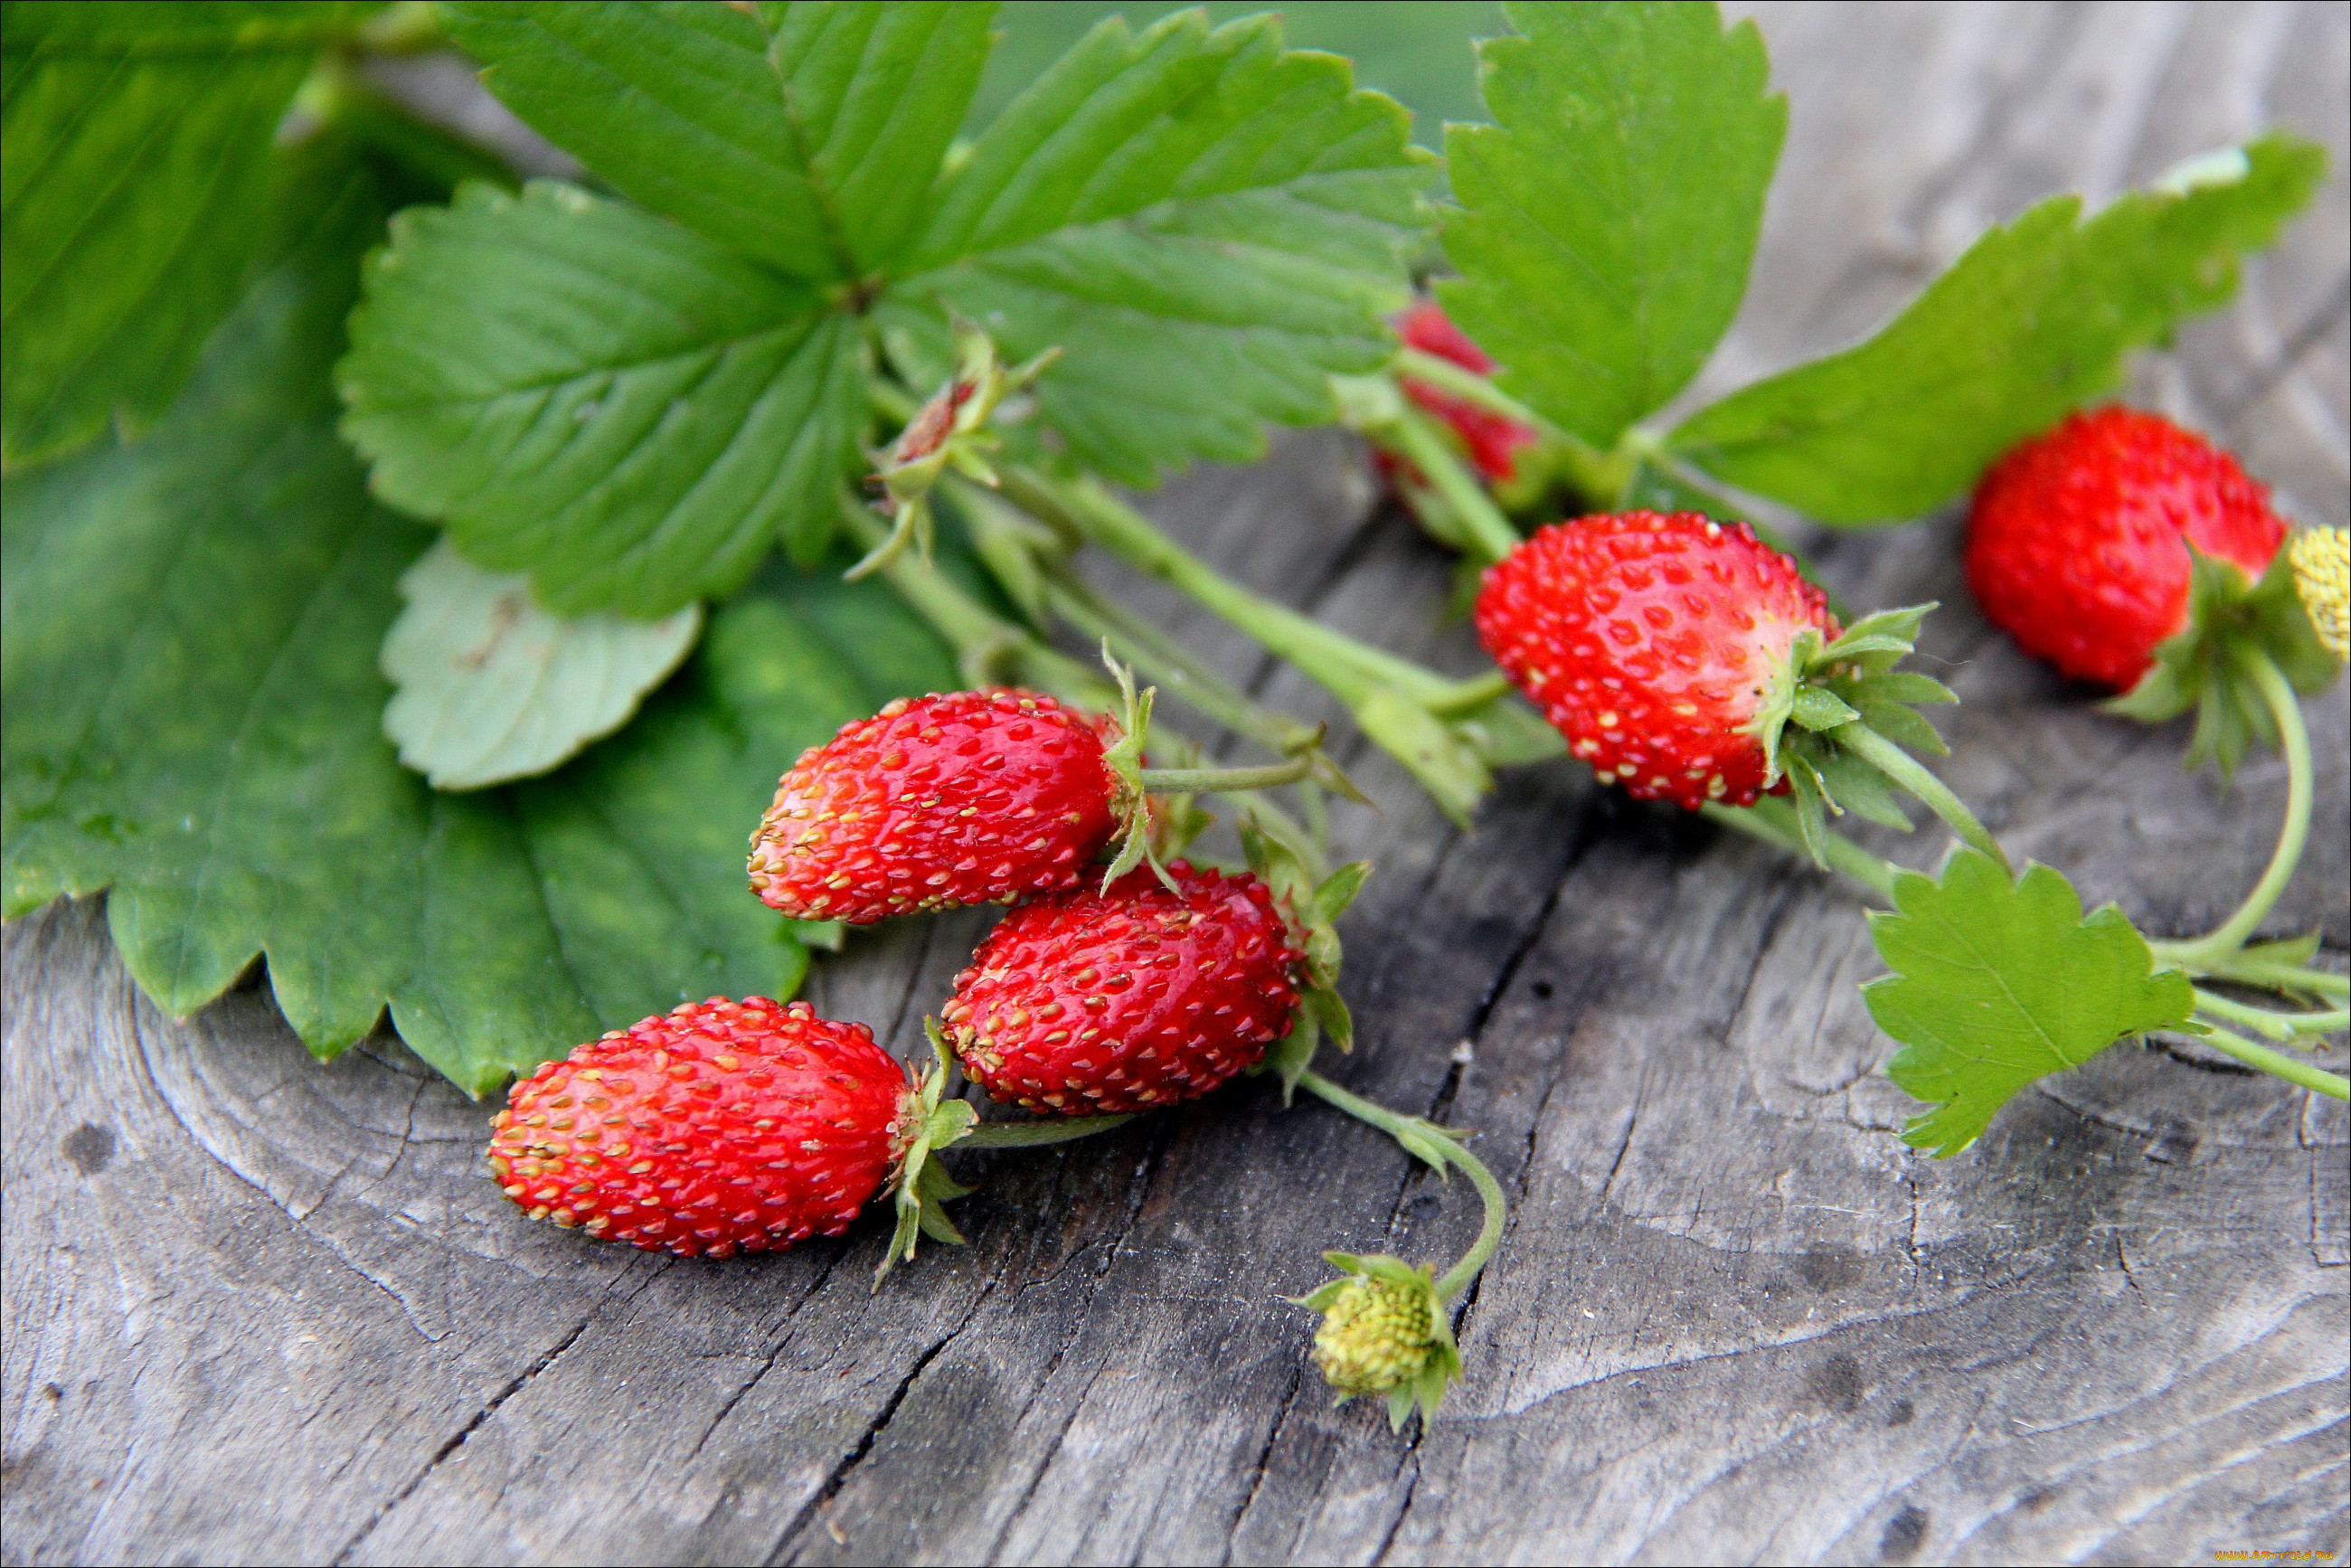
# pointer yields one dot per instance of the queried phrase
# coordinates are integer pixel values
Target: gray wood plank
(259, 1309)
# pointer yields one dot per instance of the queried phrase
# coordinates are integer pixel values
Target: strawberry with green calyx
(2138, 556)
(1388, 1327)
(949, 430)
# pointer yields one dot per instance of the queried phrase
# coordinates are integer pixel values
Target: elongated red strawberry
(1653, 642)
(2078, 542)
(966, 798)
(719, 1127)
(1117, 1001)
(1493, 440)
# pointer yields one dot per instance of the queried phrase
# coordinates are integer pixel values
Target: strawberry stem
(1415, 435)
(2204, 952)
(1033, 1135)
(1773, 821)
(2286, 1067)
(1426, 1140)
(1912, 774)
(2284, 1026)
(1225, 781)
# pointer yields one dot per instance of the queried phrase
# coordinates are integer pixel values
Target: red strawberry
(719, 1127)
(969, 797)
(2077, 545)
(1493, 439)
(1652, 642)
(1111, 1002)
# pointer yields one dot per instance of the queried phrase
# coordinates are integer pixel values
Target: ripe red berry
(969, 797)
(1650, 641)
(1087, 1001)
(2077, 546)
(1491, 438)
(717, 1128)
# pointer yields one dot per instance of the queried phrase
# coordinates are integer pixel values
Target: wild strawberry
(719, 1127)
(1655, 643)
(1088, 1001)
(1492, 440)
(2078, 542)
(969, 797)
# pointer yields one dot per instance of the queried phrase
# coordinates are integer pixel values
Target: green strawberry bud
(1384, 1333)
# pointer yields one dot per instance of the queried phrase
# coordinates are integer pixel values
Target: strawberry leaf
(606, 401)
(1608, 218)
(189, 689)
(137, 168)
(1996, 984)
(804, 136)
(1207, 224)
(2034, 319)
(493, 688)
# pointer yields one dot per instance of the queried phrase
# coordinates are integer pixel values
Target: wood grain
(261, 1309)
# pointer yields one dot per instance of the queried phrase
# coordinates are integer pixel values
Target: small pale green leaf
(135, 168)
(1446, 767)
(600, 399)
(806, 136)
(1996, 984)
(493, 688)
(1608, 217)
(1817, 709)
(1338, 890)
(1332, 1009)
(2033, 319)
(1207, 225)
(1294, 1053)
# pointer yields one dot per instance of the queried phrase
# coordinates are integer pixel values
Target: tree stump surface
(262, 1310)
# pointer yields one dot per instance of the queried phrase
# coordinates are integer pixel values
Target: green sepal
(1823, 686)
(1132, 805)
(1314, 909)
(2232, 623)
(922, 1186)
(1424, 1388)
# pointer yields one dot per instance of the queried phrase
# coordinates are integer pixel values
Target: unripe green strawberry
(716, 1128)
(1375, 1336)
(937, 801)
(1094, 1001)
(1653, 642)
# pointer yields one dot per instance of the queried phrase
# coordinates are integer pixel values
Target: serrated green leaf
(492, 689)
(135, 166)
(1609, 216)
(603, 400)
(806, 136)
(1207, 225)
(190, 693)
(2033, 319)
(1996, 984)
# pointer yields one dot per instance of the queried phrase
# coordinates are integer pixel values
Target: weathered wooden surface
(260, 1309)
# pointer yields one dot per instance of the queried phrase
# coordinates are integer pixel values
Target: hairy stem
(2286, 1067)
(1030, 1135)
(1490, 533)
(1415, 1132)
(1773, 821)
(2278, 1026)
(1225, 781)
(1912, 774)
(2204, 951)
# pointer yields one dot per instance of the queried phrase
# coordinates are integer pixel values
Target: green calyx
(949, 432)
(2233, 624)
(1314, 906)
(1384, 1331)
(1837, 723)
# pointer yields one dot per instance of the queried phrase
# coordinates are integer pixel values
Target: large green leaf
(1607, 220)
(1996, 982)
(1207, 225)
(191, 700)
(134, 172)
(806, 136)
(2034, 319)
(609, 401)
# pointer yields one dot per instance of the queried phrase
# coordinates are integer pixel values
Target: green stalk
(1225, 781)
(2267, 974)
(1599, 477)
(2203, 952)
(1912, 774)
(1489, 532)
(1350, 669)
(1773, 821)
(1459, 381)
(2278, 1026)
(988, 648)
(1415, 1134)
(2286, 1067)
